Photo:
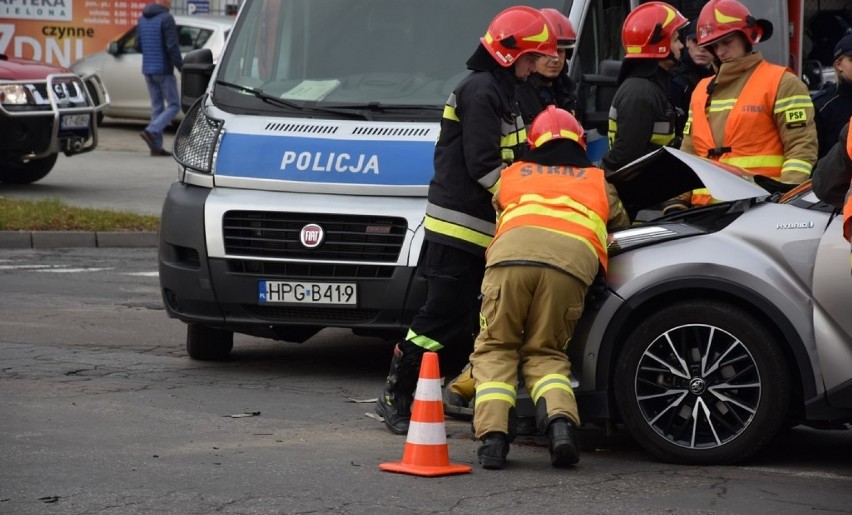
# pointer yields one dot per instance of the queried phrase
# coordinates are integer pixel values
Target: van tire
(206, 343)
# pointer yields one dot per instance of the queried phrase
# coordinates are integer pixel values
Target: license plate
(306, 293)
(75, 121)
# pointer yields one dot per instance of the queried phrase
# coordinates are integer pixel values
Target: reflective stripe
(721, 105)
(797, 165)
(551, 382)
(491, 178)
(428, 389)
(426, 433)
(457, 231)
(531, 204)
(495, 391)
(754, 161)
(450, 113)
(424, 342)
(793, 102)
(459, 218)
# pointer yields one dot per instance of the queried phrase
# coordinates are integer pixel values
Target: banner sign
(60, 32)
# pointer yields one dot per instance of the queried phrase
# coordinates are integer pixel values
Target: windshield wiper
(378, 107)
(259, 93)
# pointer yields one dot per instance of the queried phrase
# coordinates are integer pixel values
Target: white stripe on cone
(426, 433)
(428, 390)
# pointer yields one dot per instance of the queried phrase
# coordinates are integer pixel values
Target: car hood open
(668, 172)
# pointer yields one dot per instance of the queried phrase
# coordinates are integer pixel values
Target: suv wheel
(208, 344)
(702, 382)
(27, 172)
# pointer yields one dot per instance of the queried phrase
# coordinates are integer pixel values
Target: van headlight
(197, 139)
(13, 94)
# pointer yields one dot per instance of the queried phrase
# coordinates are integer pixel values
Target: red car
(44, 110)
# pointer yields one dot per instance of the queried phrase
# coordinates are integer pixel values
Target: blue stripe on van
(318, 160)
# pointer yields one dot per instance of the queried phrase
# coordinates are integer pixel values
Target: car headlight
(197, 139)
(13, 94)
(642, 236)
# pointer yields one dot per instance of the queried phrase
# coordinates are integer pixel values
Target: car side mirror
(113, 48)
(196, 73)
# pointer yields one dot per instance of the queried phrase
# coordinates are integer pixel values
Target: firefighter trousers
(527, 319)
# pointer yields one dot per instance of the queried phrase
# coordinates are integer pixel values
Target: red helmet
(647, 30)
(565, 35)
(721, 17)
(552, 124)
(517, 31)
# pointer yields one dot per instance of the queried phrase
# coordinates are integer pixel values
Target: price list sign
(60, 32)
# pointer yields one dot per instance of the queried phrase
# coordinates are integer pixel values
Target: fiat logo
(311, 235)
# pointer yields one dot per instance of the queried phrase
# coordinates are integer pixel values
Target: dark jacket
(684, 78)
(833, 172)
(833, 106)
(481, 131)
(534, 95)
(641, 118)
(157, 41)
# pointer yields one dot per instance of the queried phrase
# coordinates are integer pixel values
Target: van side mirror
(196, 73)
(113, 48)
(597, 91)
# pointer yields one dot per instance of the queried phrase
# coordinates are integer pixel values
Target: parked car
(120, 65)
(721, 325)
(44, 110)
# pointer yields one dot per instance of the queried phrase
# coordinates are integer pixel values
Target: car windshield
(387, 58)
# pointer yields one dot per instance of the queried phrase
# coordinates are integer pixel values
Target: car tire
(28, 171)
(702, 382)
(206, 343)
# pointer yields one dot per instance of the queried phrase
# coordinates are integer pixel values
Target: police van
(305, 156)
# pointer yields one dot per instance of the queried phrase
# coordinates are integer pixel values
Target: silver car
(721, 325)
(120, 66)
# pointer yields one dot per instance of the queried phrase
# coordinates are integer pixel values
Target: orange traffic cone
(426, 451)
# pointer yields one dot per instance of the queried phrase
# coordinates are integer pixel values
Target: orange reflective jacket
(751, 140)
(567, 200)
(847, 207)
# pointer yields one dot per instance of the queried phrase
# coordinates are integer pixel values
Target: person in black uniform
(695, 64)
(550, 84)
(641, 118)
(833, 104)
(481, 131)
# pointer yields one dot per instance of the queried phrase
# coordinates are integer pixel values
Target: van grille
(346, 237)
(311, 315)
(290, 269)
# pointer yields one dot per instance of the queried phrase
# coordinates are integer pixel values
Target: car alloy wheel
(702, 382)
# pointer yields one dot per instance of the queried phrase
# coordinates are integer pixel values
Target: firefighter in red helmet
(555, 209)
(751, 114)
(481, 133)
(641, 118)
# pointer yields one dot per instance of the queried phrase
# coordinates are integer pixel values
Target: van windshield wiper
(378, 106)
(271, 99)
(259, 93)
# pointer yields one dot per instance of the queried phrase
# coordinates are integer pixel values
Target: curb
(65, 239)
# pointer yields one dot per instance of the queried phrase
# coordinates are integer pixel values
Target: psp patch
(796, 118)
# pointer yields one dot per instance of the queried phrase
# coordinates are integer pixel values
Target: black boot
(563, 445)
(493, 451)
(394, 403)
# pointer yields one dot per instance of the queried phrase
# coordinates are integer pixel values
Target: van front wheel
(207, 343)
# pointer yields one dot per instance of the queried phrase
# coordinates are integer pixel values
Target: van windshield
(388, 58)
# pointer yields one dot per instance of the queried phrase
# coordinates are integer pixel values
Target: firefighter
(481, 131)
(554, 208)
(641, 118)
(550, 84)
(833, 103)
(832, 178)
(751, 114)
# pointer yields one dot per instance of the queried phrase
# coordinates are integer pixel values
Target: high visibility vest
(563, 199)
(847, 207)
(751, 140)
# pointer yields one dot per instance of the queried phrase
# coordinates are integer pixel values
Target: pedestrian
(833, 103)
(751, 114)
(550, 84)
(642, 118)
(554, 211)
(157, 41)
(832, 178)
(695, 64)
(481, 131)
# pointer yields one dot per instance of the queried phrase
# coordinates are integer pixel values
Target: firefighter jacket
(641, 118)
(833, 105)
(481, 131)
(536, 93)
(833, 175)
(557, 215)
(754, 115)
